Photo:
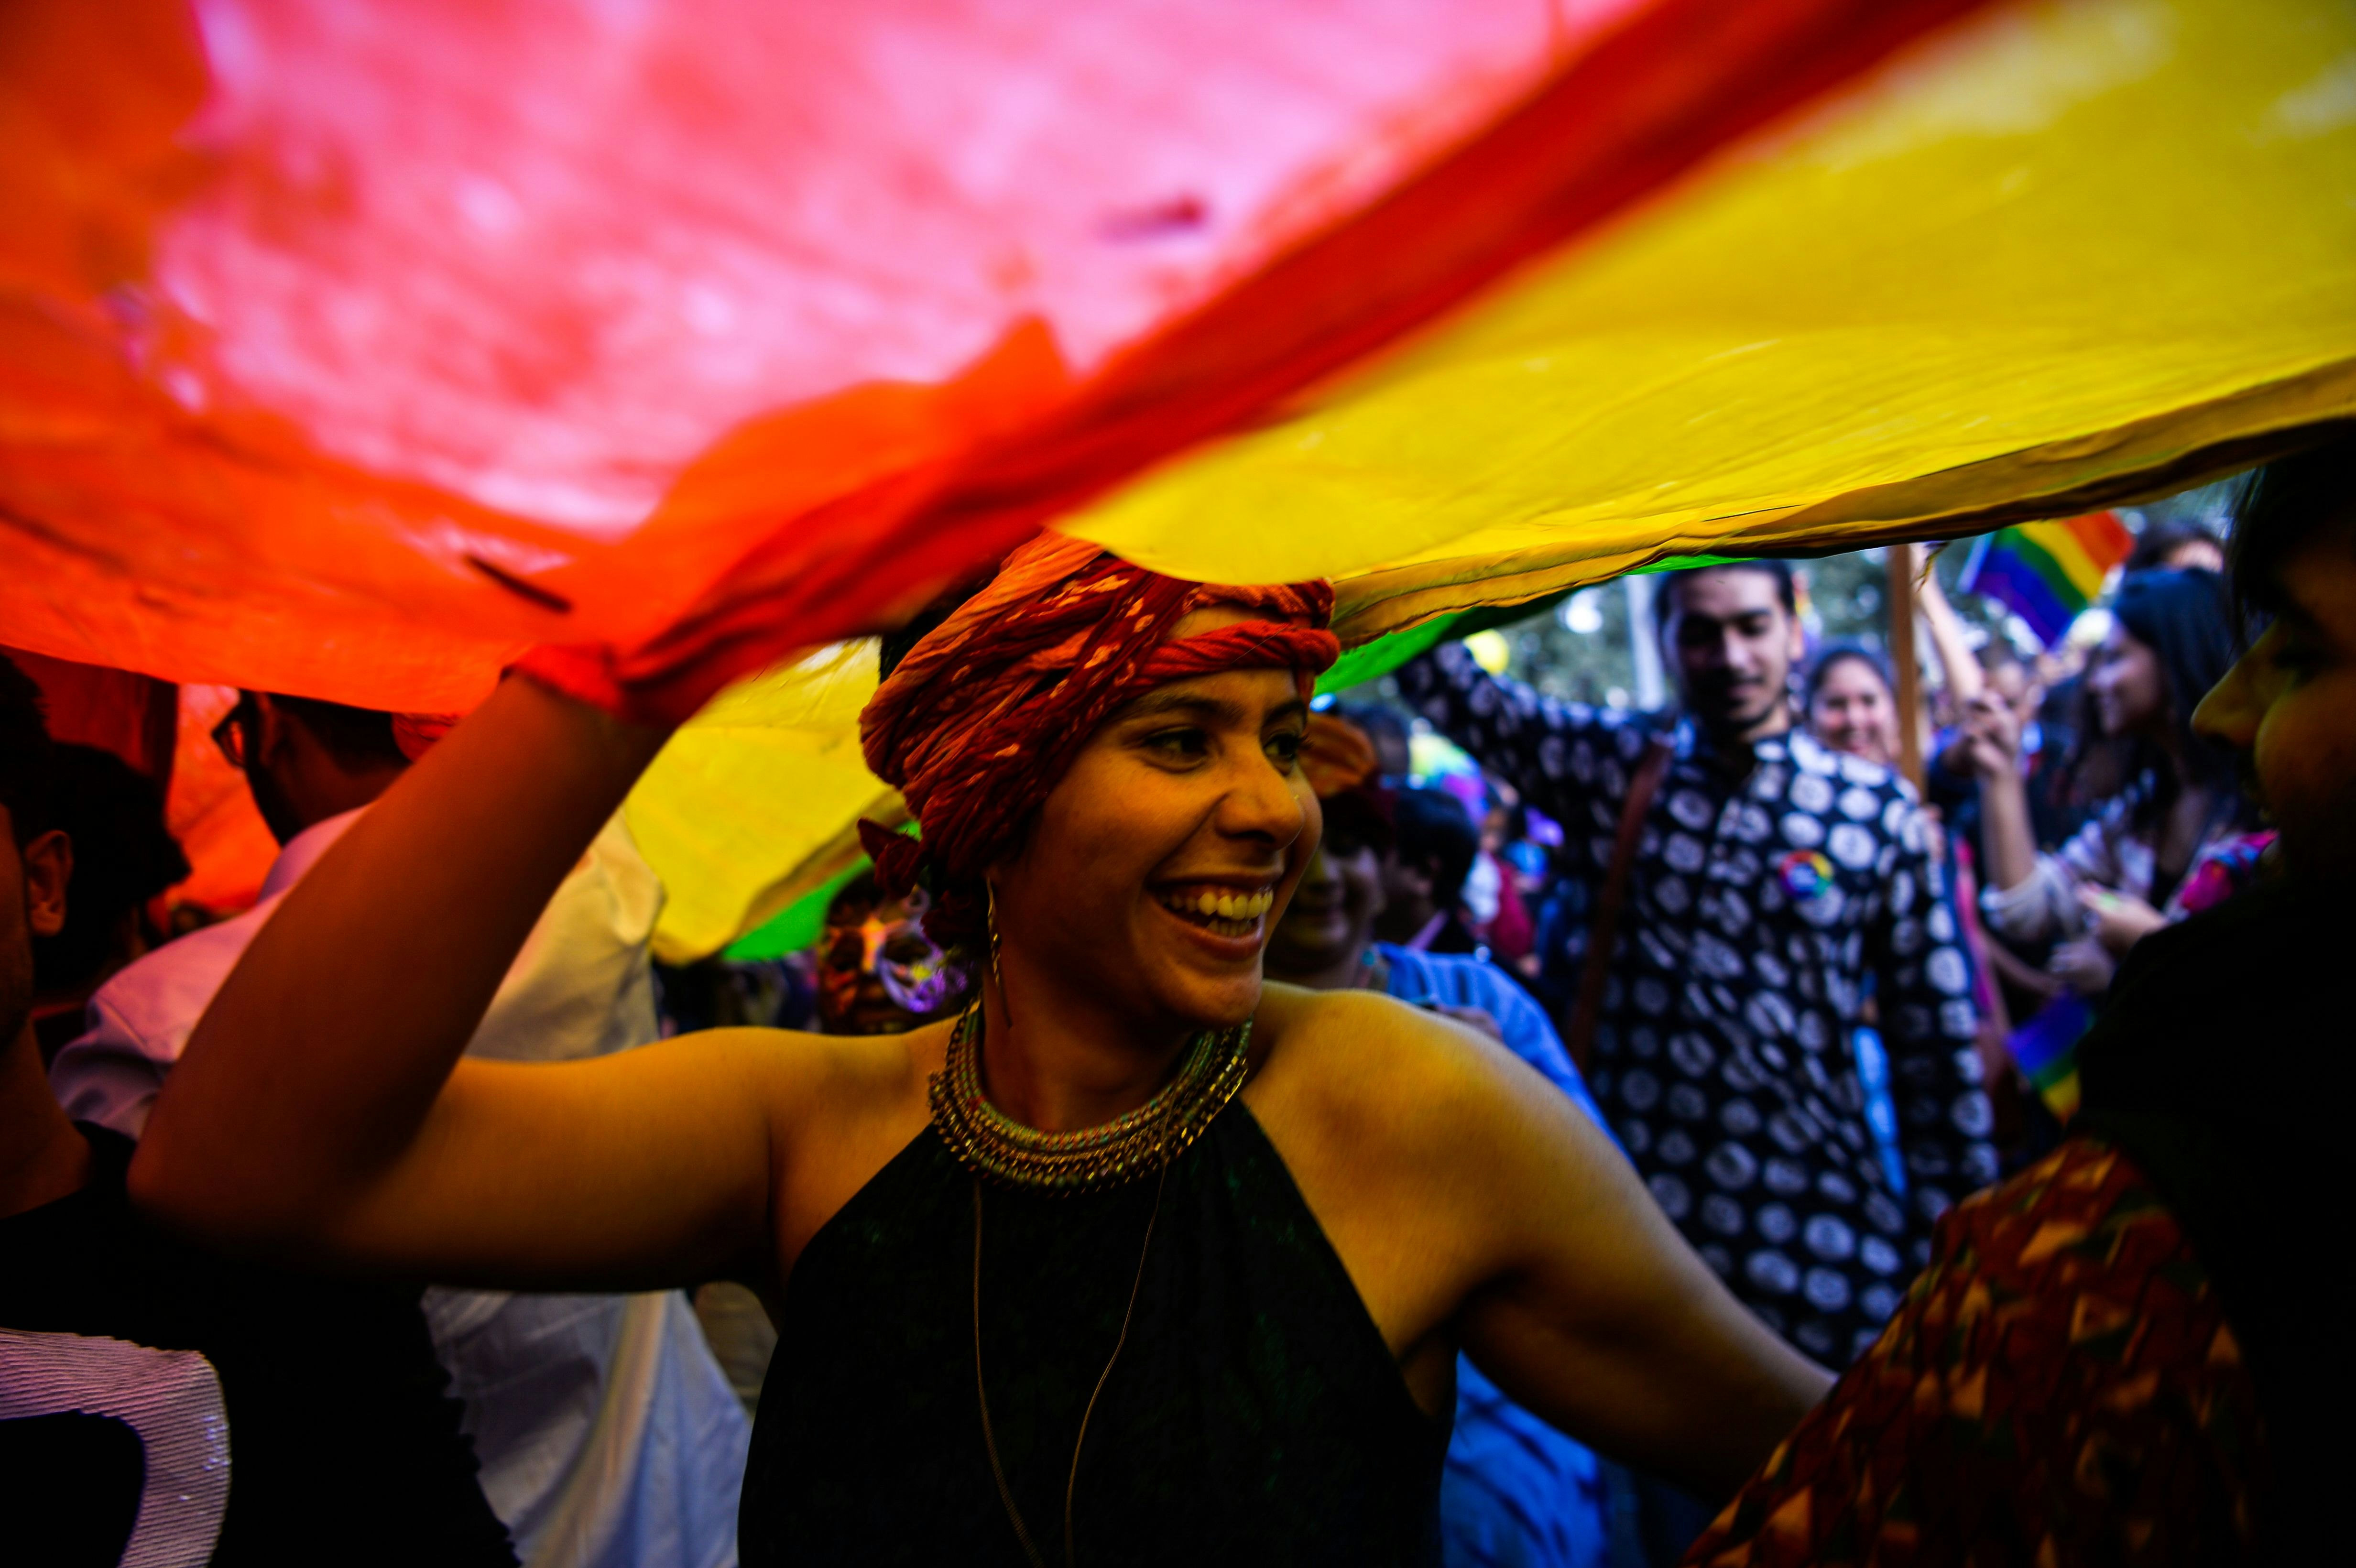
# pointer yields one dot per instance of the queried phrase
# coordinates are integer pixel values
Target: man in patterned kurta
(1777, 886)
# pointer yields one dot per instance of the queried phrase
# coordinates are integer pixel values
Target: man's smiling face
(1731, 642)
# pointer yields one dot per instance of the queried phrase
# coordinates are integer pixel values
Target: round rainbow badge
(1806, 873)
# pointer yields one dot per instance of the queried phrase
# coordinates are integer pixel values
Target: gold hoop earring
(990, 891)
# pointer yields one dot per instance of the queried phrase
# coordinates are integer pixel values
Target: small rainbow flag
(2047, 572)
(2046, 1051)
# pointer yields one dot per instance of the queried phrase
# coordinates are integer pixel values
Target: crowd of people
(1212, 1138)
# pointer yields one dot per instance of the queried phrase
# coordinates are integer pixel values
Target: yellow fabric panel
(754, 802)
(2063, 255)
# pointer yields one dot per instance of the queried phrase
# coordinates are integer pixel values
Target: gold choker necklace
(1139, 1144)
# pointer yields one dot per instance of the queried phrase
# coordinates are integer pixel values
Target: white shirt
(608, 1437)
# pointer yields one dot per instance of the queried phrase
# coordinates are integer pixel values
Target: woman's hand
(1992, 737)
(2121, 919)
(2008, 842)
(2082, 966)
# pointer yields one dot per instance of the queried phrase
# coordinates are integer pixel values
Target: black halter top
(1255, 1415)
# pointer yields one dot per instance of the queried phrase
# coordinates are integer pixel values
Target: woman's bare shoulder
(1314, 1024)
(1366, 1064)
(1413, 1139)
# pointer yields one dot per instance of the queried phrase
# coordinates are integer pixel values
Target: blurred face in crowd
(1393, 758)
(2129, 691)
(2289, 706)
(878, 973)
(1331, 919)
(1405, 884)
(2016, 686)
(1852, 710)
(2195, 555)
(32, 904)
(1732, 644)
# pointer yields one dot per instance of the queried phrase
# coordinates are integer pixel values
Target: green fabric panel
(1372, 661)
(796, 926)
(1689, 563)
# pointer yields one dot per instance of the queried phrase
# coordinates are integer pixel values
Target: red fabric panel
(440, 330)
(1648, 101)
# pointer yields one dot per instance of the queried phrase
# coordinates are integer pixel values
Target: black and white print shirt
(1769, 897)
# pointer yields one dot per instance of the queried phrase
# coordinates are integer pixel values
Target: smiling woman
(1849, 705)
(1141, 1260)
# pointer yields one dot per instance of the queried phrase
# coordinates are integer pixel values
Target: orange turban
(1337, 755)
(986, 714)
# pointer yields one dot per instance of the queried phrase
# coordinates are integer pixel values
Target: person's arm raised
(322, 1108)
(1506, 726)
(1475, 1203)
(2007, 840)
(1966, 680)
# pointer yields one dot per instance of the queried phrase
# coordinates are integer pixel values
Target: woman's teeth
(1228, 913)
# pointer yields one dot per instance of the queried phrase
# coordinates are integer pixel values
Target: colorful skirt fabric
(2061, 1387)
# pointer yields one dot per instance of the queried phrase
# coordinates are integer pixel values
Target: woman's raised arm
(1966, 680)
(322, 1108)
(1600, 1318)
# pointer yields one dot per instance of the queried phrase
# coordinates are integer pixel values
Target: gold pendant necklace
(982, 1385)
(992, 1145)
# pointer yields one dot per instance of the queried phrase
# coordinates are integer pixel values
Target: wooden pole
(1902, 665)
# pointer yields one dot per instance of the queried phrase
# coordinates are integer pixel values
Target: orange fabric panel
(434, 330)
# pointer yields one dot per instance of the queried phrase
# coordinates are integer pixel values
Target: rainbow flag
(2047, 572)
(2046, 1051)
